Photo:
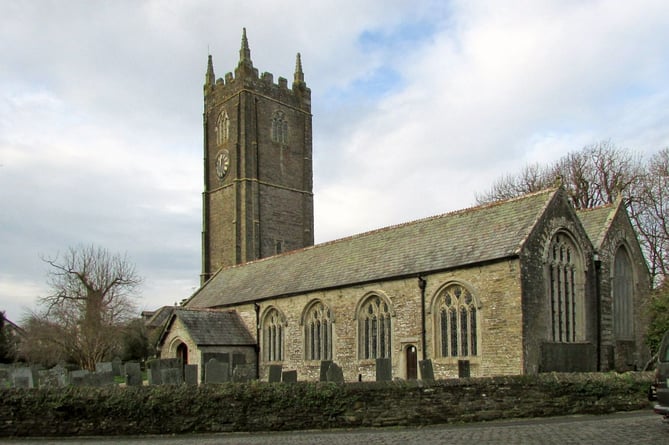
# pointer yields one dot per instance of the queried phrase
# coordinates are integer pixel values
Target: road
(637, 427)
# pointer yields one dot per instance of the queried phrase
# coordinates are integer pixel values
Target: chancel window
(623, 291)
(273, 332)
(279, 128)
(318, 332)
(456, 319)
(374, 328)
(222, 128)
(565, 289)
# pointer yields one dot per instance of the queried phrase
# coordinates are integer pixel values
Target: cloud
(417, 106)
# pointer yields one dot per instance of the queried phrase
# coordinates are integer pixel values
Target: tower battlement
(246, 77)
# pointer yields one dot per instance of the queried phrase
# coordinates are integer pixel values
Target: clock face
(222, 163)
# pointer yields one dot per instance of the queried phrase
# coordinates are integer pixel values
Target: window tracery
(273, 332)
(565, 289)
(374, 329)
(279, 127)
(318, 332)
(456, 319)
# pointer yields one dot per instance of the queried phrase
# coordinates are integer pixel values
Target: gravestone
(117, 367)
(171, 376)
(325, 364)
(133, 374)
(463, 369)
(216, 372)
(103, 378)
(244, 373)
(426, 371)
(238, 359)
(104, 367)
(56, 377)
(274, 373)
(155, 368)
(335, 373)
(24, 378)
(289, 376)
(190, 374)
(79, 377)
(384, 370)
(5, 377)
(221, 357)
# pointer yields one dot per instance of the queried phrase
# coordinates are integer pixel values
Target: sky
(417, 107)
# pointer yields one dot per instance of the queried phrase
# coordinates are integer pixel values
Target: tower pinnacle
(244, 51)
(299, 74)
(210, 78)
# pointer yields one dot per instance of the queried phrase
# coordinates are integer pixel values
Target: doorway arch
(411, 360)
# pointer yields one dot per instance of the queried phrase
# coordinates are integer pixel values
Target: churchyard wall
(259, 406)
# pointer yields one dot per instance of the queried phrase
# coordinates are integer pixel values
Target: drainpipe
(257, 308)
(421, 285)
(598, 298)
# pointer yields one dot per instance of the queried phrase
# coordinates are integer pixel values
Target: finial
(244, 52)
(209, 79)
(299, 75)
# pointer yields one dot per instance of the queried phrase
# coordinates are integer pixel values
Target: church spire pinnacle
(210, 78)
(244, 51)
(299, 74)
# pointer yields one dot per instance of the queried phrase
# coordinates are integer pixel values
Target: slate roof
(212, 328)
(489, 232)
(597, 221)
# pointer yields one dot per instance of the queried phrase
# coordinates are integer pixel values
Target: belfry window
(222, 128)
(623, 292)
(374, 329)
(456, 319)
(273, 332)
(318, 332)
(279, 128)
(565, 289)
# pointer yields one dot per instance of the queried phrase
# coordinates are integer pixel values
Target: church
(522, 286)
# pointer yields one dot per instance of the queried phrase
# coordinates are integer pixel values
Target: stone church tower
(258, 179)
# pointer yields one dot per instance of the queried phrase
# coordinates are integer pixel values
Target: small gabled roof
(208, 327)
(485, 233)
(597, 221)
(159, 317)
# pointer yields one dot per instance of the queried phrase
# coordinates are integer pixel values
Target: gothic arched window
(456, 319)
(273, 332)
(222, 128)
(279, 127)
(565, 290)
(623, 291)
(318, 332)
(374, 331)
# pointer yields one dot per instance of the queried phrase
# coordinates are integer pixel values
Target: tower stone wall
(258, 177)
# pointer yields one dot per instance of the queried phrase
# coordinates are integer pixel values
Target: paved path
(638, 427)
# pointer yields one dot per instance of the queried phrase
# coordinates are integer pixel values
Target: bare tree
(92, 299)
(593, 176)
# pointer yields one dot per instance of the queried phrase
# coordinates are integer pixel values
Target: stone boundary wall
(259, 406)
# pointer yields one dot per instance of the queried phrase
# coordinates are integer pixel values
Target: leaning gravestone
(190, 374)
(274, 373)
(384, 370)
(426, 371)
(289, 376)
(216, 372)
(335, 373)
(133, 374)
(325, 364)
